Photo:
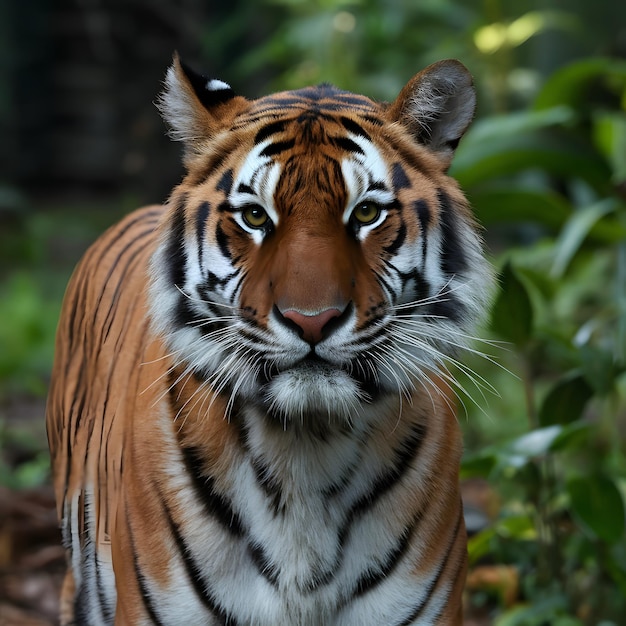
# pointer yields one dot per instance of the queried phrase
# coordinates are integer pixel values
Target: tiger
(252, 415)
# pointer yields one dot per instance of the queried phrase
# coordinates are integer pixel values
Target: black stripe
(407, 451)
(277, 103)
(321, 578)
(373, 120)
(82, 615)
(243, 188)
(371, 579)
(264, 566)
(213, 281)
(354, 127)
(378, 186)
(417, 611)
(268, 130)
(108, 612)
(222, 241)
(184, 314)
(216, 505)
(398, 241)
(423, 216)
(144, 592)
(448, 306)
(107, 323)
(413, 159)
(422, 287)
(83, 595)
(202, 215)
(347, 144)
(225, 183)
(399, 178)
(458, 567)
(113, 266)
(386, 286)
(276, 148)
(212, 165)
(453, 261)
(192, 569)
(225, 207)
(175, 255)
(77, 410)
(453, 144)
(422, 210)
(272, 489)
(270, 485)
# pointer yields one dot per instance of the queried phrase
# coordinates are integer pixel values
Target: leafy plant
(562, 305)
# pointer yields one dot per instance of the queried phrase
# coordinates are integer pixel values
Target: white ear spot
(217, 85)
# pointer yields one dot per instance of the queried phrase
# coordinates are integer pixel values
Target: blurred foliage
(559, 165)
(545, 168)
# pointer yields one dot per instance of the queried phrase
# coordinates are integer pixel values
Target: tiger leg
(68, 591)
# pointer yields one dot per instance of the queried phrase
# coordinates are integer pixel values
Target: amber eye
(366, 213)
(255, 216)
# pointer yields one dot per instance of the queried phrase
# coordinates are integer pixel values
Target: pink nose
(311, 325)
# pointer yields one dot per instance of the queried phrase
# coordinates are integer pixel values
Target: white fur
(177, 107)
(217, 85)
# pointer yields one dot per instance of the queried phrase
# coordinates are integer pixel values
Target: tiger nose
(311, 326)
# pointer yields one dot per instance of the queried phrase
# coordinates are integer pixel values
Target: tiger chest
(297, 529)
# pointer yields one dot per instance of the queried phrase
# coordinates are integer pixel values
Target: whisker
(429, 332)
(204, 301)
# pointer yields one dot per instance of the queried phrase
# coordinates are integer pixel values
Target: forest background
(544, 165)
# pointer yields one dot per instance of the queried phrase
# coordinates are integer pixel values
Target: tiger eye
(255, 216)
(366, 213)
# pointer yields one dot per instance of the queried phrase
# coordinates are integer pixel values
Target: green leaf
(536, 443)
(512, 314)
(549, 610)
(494, 206)
(599, 368)
(575, 232)
(517, 124)
(570, 85)
(565, 401)
(480, 545)
(520, 527)
(504, 156)
(609, 131)
(573, 436)
(478, 465)
(598, 505)
(527, 141)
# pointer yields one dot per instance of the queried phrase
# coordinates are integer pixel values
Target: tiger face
(317, 256)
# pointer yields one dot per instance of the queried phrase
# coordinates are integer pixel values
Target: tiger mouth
(311, 363)
(313, 366)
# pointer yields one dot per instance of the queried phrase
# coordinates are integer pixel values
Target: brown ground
(31, 558)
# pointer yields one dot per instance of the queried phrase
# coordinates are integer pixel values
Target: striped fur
(250, 417)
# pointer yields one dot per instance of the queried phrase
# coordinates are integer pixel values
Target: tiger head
(317, 256)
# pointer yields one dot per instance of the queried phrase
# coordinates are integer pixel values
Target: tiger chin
(251, 417)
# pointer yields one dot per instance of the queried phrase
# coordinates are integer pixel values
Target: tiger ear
(437, 106)
(195, 107)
